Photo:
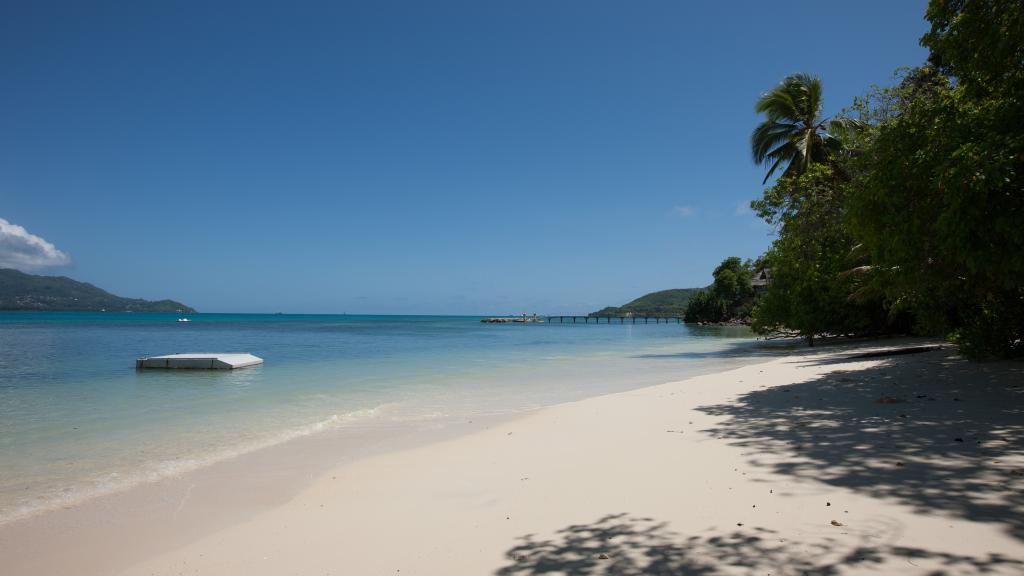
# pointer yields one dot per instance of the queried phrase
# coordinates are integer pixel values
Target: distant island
(21, 291)
(662, 303)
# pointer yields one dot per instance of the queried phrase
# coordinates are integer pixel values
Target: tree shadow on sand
(931, 431)
(740, 349)
(625, 545)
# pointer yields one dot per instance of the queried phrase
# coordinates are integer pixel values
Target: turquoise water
(76, 418)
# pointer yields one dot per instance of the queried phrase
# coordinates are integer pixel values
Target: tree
(810, 291)
(733, 285)
(705, 306)
(938, 199)
(793, 133)
(730, 296)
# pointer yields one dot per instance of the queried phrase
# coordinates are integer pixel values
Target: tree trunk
(810, 340)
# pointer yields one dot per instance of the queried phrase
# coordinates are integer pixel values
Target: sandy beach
(820, 462)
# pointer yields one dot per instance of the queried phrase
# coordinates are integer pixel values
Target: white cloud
(25, 251)
(743, 209)
(684, 211)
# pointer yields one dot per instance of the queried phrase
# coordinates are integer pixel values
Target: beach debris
(828, 503)
(739, 523)
(602, 556)
(836, 523)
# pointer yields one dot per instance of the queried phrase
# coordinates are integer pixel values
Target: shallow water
(76, 418)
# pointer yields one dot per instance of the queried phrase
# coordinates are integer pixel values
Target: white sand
(741, 472)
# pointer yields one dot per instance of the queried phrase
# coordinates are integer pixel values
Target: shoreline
(207, 519)
(202, 499)
(364, 423)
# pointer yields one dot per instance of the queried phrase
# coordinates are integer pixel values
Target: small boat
(183, 320)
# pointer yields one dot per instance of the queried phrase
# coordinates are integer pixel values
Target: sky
(444, 157)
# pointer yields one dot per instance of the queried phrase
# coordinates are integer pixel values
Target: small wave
(119, 481)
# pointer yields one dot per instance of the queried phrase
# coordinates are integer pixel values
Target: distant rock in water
(21, 291)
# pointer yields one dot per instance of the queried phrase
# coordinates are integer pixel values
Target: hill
(21, 291)
(663, 303)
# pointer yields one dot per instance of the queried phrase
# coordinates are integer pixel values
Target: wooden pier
(622, 319)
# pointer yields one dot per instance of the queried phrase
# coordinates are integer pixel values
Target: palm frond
(845, 129)
(772, 169)
(768, 135)
(778, 104)
(790, 131)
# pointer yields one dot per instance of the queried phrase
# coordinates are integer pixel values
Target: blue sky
(407, 157)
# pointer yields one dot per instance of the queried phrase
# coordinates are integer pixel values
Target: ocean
(77, 420)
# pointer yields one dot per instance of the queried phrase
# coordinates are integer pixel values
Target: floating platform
(201, 361)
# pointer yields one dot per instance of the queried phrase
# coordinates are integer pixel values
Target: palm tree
(793, 132)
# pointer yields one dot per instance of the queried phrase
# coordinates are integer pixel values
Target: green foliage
(938, 198)
(663, 303)
(811, 293)
(730, 297)
(793, 132)
(20, 291)
(920, 212)
(979, 43)
(705, 306)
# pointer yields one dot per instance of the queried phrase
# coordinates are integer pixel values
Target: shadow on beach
(926, 430)
(741, 349)
(626, 545)
(930, 430)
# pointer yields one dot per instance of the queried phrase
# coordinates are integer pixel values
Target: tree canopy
(730, 296)
(911, 206)
(793, 132)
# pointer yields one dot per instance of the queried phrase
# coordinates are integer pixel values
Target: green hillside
(20, 291)
(663, 303)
